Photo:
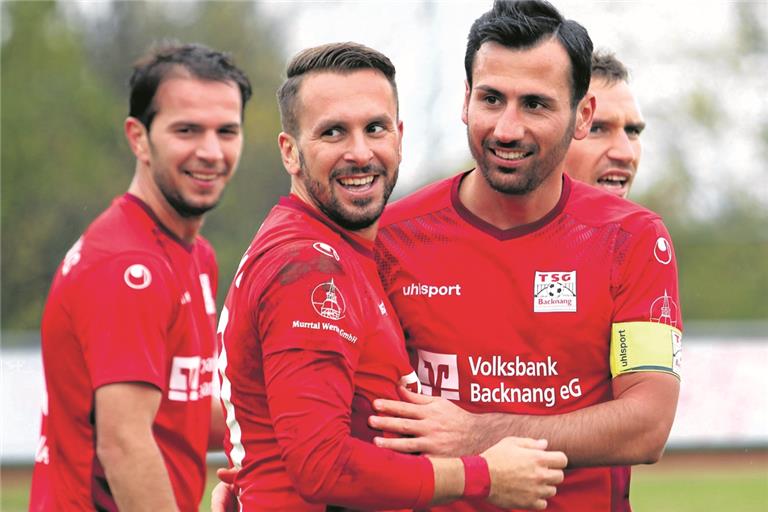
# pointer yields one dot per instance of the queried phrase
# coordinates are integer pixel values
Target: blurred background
(698, 69)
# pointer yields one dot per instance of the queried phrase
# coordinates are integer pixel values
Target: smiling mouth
(613, 181)
(511, 156)
(202, 176)
(356, 183)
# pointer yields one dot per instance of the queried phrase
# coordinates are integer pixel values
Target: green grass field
(679, 483)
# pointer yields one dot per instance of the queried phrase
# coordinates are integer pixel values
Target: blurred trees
(64, 99)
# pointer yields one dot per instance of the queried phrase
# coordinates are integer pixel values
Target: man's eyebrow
(490, 90)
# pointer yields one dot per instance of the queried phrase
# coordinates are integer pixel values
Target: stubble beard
(325, 198)
(524, 180)
(173, 195)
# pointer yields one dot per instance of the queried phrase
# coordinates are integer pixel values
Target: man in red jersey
(541, 306)
(128, 331)
(608, 156)
(308, 336)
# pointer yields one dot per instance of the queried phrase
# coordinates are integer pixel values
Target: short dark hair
(522, 25)
(335, 57)
(164, 61)
(608, 68)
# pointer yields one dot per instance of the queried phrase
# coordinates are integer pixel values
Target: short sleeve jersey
(522, 320)
(131, 302)
(309, 340)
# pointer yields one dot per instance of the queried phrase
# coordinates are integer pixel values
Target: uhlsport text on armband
(645, 347)
(477, 477)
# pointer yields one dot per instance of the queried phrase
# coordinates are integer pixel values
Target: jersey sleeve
(123, 312)
(647, 323)
(312, 328)
(309, 395)
(311, 303)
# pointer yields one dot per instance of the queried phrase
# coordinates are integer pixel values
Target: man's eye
(534, 105)
(491, 100)
(375, 128)
(596, 129)
(633, 132)
(332, 132)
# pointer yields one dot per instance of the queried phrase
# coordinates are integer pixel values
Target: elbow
(313, 488)
(651, 446)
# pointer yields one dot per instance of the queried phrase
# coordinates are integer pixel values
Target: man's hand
(223, 498)
(434, 426)
(523, 474)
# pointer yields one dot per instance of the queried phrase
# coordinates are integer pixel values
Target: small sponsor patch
(554, 292)
(662, 251)
(328, 301)
(326, 249)
(137, 276)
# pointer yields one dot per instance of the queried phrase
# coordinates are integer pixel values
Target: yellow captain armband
(645, 347)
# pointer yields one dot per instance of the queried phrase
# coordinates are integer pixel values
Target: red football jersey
(131, 302)
(521, 320)
(309, 339)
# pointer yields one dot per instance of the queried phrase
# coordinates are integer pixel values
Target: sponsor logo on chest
(554, 292)
(432, 290)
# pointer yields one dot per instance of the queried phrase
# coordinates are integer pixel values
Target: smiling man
(128, 331)
(609, 156)
(567, 324)
(309, 337)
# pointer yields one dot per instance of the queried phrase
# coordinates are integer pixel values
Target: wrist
(477, 477)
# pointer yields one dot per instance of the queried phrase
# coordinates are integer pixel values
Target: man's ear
(138, 138)
(289, 153)
(465, 108)
(584, 114)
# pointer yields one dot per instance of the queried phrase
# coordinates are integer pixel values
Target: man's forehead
(331, 95)
(545, 65)
(615, 99)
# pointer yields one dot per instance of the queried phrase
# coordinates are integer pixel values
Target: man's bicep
(125, 407)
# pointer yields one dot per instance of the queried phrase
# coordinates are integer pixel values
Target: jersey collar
(156, 220)
(506, 234)
(360, 244)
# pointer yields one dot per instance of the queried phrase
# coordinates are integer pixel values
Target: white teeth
(615, 180)
(509, 155)
(356, 181)
(203, 177)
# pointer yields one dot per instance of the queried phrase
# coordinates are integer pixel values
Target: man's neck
(507, 211)
(186, 228)
(368, 233)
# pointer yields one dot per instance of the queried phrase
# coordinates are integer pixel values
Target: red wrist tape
(477, 477)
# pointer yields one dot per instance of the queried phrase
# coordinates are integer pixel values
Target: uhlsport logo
(662, 251)
(326, 249)
(439, 374)
(554, 292)
(328, 301)
(664, 310)
(137, 276)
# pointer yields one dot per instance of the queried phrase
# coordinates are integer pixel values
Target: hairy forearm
(137, 475)
(631, 429)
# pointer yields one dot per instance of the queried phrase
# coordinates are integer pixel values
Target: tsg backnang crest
(328, 301)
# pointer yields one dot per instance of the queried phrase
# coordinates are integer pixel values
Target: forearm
(631, 429)
(137, 475)
(310, 396)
